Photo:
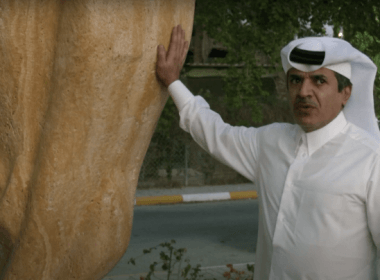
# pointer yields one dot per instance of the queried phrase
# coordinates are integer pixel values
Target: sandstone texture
(79, 102)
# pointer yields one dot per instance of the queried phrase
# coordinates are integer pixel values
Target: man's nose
(306, 88)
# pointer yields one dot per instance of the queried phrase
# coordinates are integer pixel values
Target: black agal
(307, 57)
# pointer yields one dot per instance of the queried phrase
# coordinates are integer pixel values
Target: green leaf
(186, 270)
(152, 266)
(164, 257)
(132, 261)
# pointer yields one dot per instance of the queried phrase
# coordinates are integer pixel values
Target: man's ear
(346, 94)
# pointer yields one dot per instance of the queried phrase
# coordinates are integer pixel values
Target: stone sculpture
(79, 102)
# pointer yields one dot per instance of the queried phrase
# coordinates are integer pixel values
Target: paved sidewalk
(195, 194)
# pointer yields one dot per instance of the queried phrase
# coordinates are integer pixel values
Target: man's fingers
(161, 54)
(176, 44)
(183, 34)
(178, 38)
(170, 62)
(173, 47)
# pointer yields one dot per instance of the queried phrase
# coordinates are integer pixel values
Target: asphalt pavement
(190, 195)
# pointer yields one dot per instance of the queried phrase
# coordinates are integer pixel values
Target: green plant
(171, 256)
(169, 259)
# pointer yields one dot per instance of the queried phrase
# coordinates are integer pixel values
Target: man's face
(314, 97)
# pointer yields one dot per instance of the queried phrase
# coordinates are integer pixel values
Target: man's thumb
(161, 53)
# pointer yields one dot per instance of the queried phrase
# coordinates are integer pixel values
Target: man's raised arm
(233, 146)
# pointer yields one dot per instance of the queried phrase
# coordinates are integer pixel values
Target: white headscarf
(341, 57)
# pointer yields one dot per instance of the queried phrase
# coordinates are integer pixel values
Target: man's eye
(320, 81)
(295, 80)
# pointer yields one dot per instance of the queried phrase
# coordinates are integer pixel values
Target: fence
(183, 163)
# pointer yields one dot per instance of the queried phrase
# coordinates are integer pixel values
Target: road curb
(200, 197)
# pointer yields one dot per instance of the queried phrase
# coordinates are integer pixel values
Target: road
(214, 233)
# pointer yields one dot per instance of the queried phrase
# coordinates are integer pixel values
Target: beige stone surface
(79, 102)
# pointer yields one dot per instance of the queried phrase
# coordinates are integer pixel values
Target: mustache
(305, 102)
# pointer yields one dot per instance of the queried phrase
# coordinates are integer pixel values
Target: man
(319, 180)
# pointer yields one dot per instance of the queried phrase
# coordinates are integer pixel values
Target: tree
(251, 29)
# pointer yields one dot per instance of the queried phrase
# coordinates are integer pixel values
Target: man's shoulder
(362, 138)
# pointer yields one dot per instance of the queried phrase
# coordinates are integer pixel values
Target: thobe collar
(316, 139)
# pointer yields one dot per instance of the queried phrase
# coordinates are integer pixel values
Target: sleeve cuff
(180, 94)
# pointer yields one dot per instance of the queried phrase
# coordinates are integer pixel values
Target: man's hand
(170, 63)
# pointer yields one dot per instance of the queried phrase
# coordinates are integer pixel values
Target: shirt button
(304, 155)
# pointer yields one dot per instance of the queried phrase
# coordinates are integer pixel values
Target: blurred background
(234, 63)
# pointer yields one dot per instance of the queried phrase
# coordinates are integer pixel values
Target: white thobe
(318, 192)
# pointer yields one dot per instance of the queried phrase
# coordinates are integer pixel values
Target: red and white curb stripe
(185, 198)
